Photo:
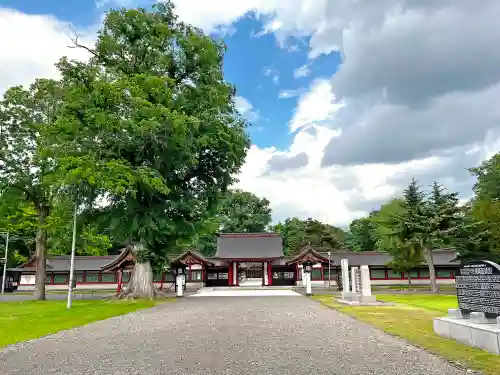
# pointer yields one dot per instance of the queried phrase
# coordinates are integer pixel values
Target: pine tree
(418, 226)
(445, 215)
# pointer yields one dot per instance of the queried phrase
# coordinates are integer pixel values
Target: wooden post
(269, 274)
(119, 285)
(237, 274)
(263, 271)
(162, 279)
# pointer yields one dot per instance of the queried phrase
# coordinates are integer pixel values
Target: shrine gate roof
(249, 246)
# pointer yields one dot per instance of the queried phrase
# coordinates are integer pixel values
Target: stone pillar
(264, 271)
(308, 285)
(178, 283)
(366, 285)
(344, 264)
(353, 279)
(235, 273)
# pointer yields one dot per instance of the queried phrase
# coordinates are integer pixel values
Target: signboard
(478, 287)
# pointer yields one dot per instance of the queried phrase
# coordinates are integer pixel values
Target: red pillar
(162, 279)
(263, 278)
(237, 278)
(119, 285)
(322, 272)
(269, 273)
(203, 273)
(230, 274)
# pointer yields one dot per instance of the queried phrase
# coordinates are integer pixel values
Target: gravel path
(224, 335)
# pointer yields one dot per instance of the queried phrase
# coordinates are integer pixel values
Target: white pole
(344, 264)
(179, 282)
(72, 265)
(329, 272)
(4, 275)
(308, 286)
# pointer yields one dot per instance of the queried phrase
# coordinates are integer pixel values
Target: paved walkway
(220, 335)
(235, 292)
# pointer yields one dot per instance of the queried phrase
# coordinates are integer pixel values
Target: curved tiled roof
(82, 262)
(249, 245)
(441, 257)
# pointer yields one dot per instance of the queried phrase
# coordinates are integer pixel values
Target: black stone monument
(478, 287)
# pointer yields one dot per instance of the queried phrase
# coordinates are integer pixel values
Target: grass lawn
(439, 303)
(20, 321)
(77, 291)
(421, 288)
(411, 319)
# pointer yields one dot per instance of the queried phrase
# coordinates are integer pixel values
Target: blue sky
(251, 64)
(330, 140)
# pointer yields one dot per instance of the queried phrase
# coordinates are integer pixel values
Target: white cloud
(317, 106)
(246, 108)
(326, 194)
(32, 45)
(287, 94)
(292, 18)
(208, 15)
(273, 73)
(303, 71)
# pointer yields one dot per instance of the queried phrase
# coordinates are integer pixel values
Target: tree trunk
(432, 270)
(141, 282)
(409, 280)
(41, 247)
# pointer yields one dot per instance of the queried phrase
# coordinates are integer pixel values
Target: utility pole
(72, 266)
(4, 275)
(329, 271)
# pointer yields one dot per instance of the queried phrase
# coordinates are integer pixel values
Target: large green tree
(485, 207)
(394, 236)
(418, 227)
(243, 212)
(437, 223)
(238, 212)
(18, 218)
(150, 124)
(360, 235)
(298, 233)
(26, 117)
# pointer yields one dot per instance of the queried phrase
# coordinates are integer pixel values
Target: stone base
(360, 300)
(347, 295)
(358, 303)
(358, 297)
(365, 299)
(457, 314)
(485, 336)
